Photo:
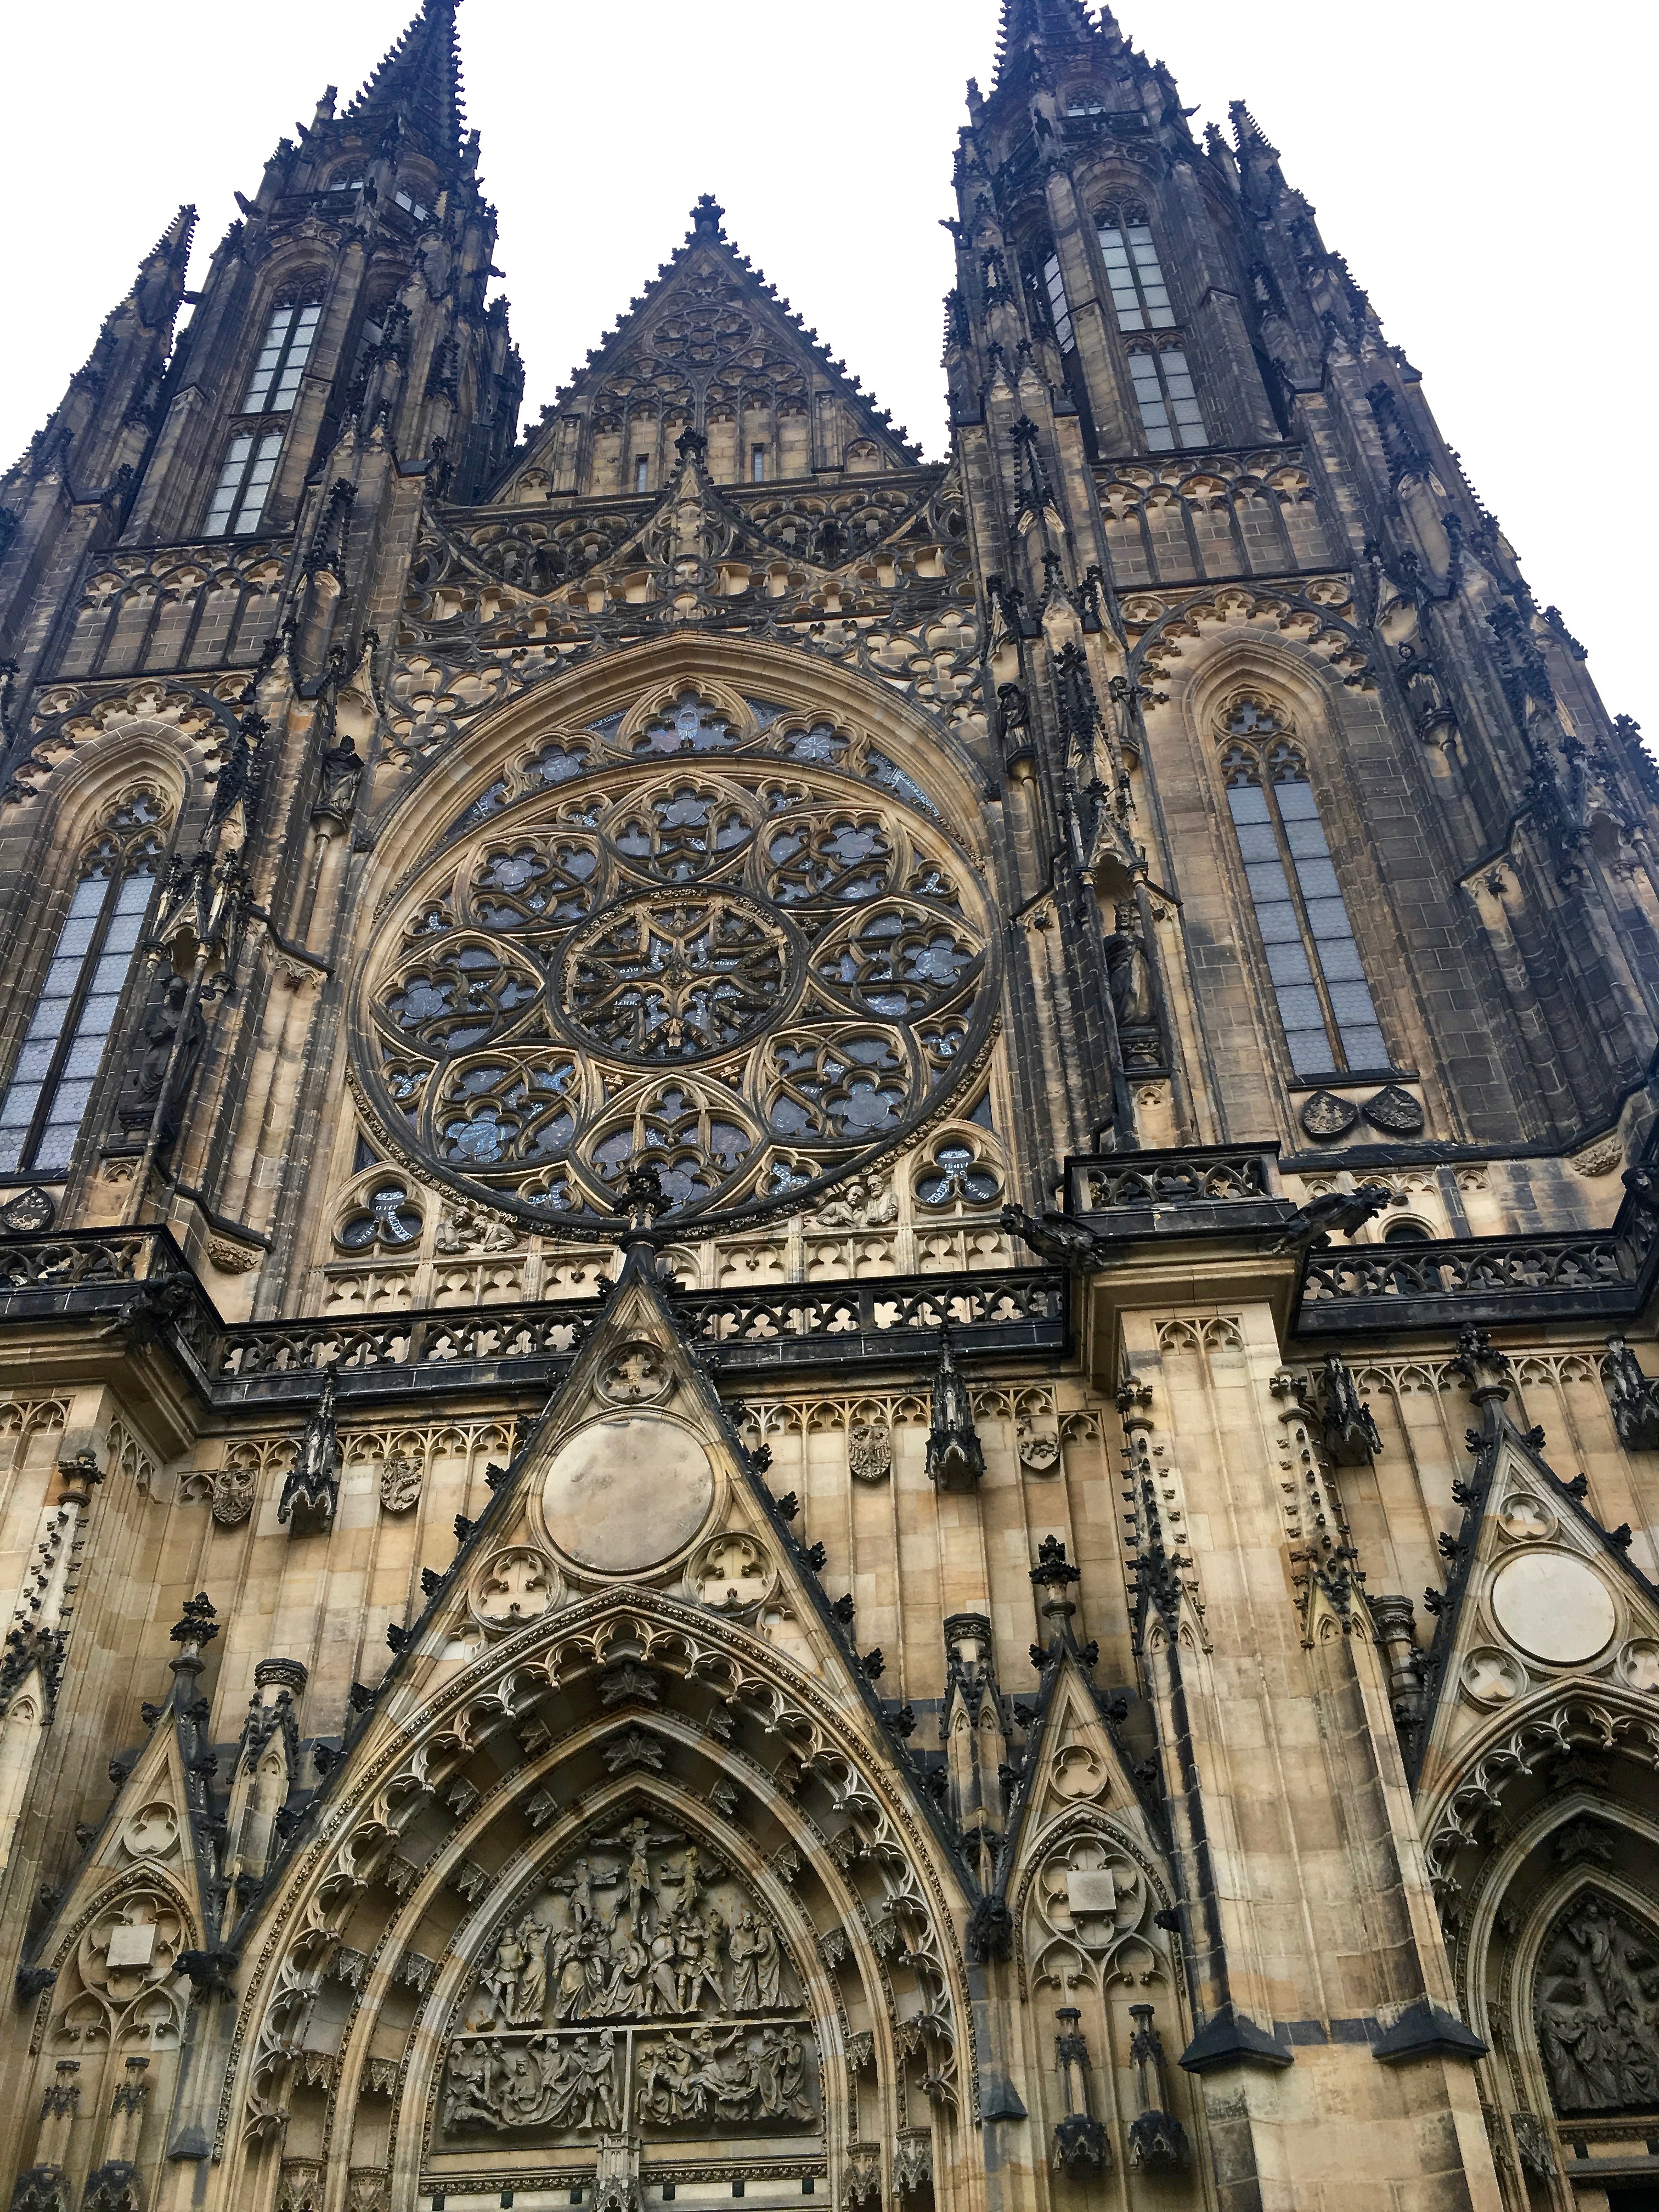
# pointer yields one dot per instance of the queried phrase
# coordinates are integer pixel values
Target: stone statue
(175, 1020)
(1129, 972)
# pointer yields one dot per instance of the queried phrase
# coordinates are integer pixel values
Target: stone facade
(826, 1282)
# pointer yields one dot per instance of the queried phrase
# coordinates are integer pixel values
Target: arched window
(1140, 298)
(1324, 1004)
(46, 1099)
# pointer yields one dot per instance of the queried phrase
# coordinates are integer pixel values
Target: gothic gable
(709, 346)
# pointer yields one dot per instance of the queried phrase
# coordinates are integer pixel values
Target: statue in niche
(1597, 2012)
(1129, 972)
(174, 1021)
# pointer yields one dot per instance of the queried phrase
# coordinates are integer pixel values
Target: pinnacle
(174, 241)
(419, 83)
(1058, 24)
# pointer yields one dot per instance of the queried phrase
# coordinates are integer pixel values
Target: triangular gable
(1538, 1596)
(707, 327)
(635, 1476)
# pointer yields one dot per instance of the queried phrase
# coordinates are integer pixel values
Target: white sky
(1483, 164)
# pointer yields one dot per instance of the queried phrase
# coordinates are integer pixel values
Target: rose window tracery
(749, 974)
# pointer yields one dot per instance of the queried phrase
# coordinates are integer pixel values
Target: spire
(160, 281)
(419, 83)
(1057, 26)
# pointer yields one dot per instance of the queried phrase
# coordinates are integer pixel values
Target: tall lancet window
(1140, 298)
(1324, 1004)
(275, 383)
(50, 1086)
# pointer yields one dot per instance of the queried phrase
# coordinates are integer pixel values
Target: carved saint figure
(757, 1964)
(1597, 2012)
(1128, 978)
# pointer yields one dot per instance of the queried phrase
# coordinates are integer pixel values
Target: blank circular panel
(1554, 1607)
(624, 1495)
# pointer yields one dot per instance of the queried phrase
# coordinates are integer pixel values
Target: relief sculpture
(638, 1926)
(1598, 2013)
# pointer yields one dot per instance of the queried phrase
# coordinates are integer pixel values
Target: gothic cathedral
(827, 1283)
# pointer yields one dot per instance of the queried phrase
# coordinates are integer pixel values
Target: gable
(709, 346)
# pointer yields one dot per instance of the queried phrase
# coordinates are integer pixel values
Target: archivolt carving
(1517, 1744)
(494, 1756)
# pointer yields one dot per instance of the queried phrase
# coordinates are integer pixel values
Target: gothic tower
(711, 1482)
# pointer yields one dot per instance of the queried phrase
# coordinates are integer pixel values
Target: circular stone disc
(1553, 1607)
(627, 1494)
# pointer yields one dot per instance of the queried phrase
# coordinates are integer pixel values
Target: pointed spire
(419, 83)
(160, 281)
(1060, 26)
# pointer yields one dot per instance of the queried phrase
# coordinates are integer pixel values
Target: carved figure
(1598, 2013)
(755, 1963)
(1129, 972)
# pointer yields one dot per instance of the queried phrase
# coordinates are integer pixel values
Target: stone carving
(517, 1585)
(870, 1451)
(1091, 1903)
(1325, 1115)
(551, 2081)
(400, 1483)
(731, 2078)
(27, 1214)
(230, 1494)
(640, 1926)
(470, 1229)
(1597, 2011)
(638, 1376)
(310, 1495)
(1039, 1449)
(732, 1573)
(1633, 1397)
(866, 1202)
(1394, 1111)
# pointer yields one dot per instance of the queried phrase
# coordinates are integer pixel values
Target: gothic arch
(645, 1703)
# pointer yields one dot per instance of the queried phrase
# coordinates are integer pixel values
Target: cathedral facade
(826, 1282)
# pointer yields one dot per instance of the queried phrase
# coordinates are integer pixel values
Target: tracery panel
(748, 970)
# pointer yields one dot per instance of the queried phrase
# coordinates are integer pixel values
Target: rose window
(748, 968)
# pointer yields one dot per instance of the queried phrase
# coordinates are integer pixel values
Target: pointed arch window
(275, 383)
(1324, 1002)
(238, 497)
(1141, 297)
(1165, 395)
(1059, 311)
(46, 1100)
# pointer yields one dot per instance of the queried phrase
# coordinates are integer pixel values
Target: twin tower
(826, 1281)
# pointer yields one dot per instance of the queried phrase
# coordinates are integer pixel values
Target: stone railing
(1596, 1275)
(140, 1279)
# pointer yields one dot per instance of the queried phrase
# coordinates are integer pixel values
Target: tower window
(1139, 295)
(276, 378)
(641, 474)
(239, 498)
(758, 465)
(407, 201)
(1330, 1024)
(347, 185)
(1059, 312)
(1167, 403)
(46, 1099)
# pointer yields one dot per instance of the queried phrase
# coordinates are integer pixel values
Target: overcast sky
(1483, 164)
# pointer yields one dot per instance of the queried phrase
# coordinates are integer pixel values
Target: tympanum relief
(641, 1985)
(1597, 2009)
